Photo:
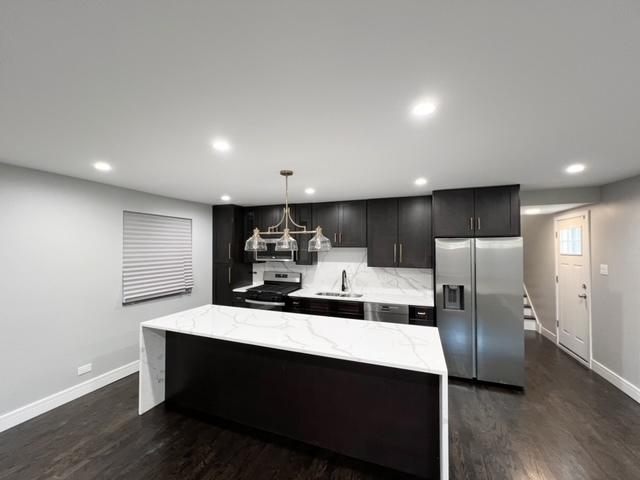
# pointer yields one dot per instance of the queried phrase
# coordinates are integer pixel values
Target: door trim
(587, 214)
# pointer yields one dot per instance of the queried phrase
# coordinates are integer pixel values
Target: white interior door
(573, 267)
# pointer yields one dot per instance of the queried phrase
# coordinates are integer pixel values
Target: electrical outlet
(82, 369)
(604, 269)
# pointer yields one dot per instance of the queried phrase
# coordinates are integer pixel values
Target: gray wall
(539, 267)
(60, 280)
(615, 240)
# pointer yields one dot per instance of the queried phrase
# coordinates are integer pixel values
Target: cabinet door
(302, 216)
(353, 224)
(494, 212)
(414, 232)
(382, 235)
(250, 222)
(453, 213)
(223, 230)
(222, 290)
(268, 216)
(326, 216)
(345, 309)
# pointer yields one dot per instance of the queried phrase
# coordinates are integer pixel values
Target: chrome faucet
(344, 281)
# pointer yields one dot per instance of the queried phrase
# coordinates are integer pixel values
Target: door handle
(400, 253)
(471, 223)
(394, 253)
(229, 249)
(478, 223)
(229, 269)
(582, 295)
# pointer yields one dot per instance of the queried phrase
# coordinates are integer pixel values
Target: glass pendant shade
(287, 243)
(255, 243)
(319, 243)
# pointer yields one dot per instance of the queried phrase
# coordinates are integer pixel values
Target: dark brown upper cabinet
(497, 211)
(344, 223)
(399, 232)
(477, 212)
(269, 216)
(414, 232)
(301, 214)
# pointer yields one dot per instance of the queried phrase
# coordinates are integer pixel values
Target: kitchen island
(370, 390)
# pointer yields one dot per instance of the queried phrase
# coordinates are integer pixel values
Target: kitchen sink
(339, 294)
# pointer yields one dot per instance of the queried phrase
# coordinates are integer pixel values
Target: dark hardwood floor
(569, 424)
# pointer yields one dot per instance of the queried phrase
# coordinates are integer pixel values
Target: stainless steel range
(272, 294)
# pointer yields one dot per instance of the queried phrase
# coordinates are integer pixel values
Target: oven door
(262, 305)
(271, 255)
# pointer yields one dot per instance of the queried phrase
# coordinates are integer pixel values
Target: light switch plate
(82, 369)
(604, 269)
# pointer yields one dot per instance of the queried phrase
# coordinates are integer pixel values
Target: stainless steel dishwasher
(386, 312)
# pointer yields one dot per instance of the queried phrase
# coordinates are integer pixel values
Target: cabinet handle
(335, 237)
(340, 238)
(229, 249)
(394, 253)
(400, 253)
(478, 223)
(229, 270)
(471, 223)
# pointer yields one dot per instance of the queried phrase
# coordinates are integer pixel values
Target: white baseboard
(548, 333)
(615, 379)
(27, 412)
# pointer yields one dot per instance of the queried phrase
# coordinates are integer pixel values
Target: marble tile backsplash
(326, 274)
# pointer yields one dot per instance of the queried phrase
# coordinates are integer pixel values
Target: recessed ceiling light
(102, 166)
(309, 191)
(424, 109)
(225, 198)
(575, 168)
(221, 145)
(420, 181)
(532, 211)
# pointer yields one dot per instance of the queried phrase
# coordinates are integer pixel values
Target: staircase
(530, 322)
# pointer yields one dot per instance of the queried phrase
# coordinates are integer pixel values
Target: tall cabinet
(229, 268)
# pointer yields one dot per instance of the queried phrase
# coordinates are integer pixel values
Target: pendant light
(318, 243)
(255, 243)
(286, 242)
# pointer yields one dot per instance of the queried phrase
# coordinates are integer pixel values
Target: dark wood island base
(387, 416)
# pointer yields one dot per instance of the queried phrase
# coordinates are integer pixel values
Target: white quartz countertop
(407, 347)
(398, 298)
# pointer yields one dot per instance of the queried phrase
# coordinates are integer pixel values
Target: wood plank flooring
(569, 424)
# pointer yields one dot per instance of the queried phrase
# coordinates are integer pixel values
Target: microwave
(271, 255)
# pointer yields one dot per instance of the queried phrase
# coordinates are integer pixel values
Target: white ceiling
(323, 88)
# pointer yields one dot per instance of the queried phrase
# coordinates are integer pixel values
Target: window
(571, 241)
(156, 256)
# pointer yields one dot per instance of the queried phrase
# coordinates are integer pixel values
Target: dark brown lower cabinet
(328, 308)
(378, 414)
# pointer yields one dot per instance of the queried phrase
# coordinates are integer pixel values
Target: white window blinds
(156, 256)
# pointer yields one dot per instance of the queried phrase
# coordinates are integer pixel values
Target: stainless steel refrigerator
(479, 307)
